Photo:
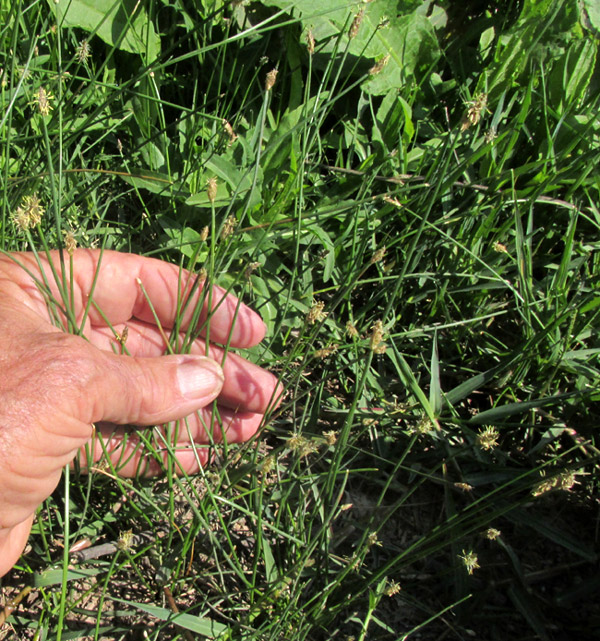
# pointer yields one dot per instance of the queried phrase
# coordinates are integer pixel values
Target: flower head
(83, 51)
(379, 66)
(376, 335)
(316, 313)
(29, 213)
(228, 227)
(42, 100)
(211, 189)
(270, 80)
(392, 588)
(469, 560)
(487, 439)
(355, 26)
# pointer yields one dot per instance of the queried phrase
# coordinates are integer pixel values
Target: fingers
(246, 386)
(187, 445)
(116, 279)
(99, 386)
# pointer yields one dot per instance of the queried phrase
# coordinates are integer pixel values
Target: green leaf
(590, 15)
(205, 627)
(435, 390)
(407, 37)
(233, 183)
(571, 75)
(55, 576)
(511, 409)
(123, 24)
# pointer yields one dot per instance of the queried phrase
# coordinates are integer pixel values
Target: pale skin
(60, 393)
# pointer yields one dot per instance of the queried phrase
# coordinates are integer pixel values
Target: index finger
(114, 280)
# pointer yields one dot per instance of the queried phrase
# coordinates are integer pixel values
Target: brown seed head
(310, 42)
(378, 254)
(270, 80)
(41, 99)
(229, 131)
(351, 330)
(211, 189)
(379, 66)
(228, 227)
(376, 334)
(316, 313)
(355, 26)
(70, 242)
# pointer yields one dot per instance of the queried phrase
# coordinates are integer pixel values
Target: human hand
(60, 393)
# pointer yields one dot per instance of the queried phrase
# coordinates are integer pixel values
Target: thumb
(145, 391)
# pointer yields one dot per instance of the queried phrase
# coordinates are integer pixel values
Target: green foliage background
(471, 156)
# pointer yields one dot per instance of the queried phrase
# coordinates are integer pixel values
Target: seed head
(379, 66)
(301, 445)
(125, 541)
(351, 330)
(487, 439)
(316, 313)
(330, 437)
(355, 26)
(566, 480)
(465, 487)
(83, 51)
(204, 233)
(228, 227)
(268, 464)
(29, 213)
(490, 135)
(70, 242)
(211, 189)
(373, 540)
(475, 109)
(250, 268)
(325, 352)
(500, 248)
(423, 426)
(392, 201)
(492, 533)
(392, 588)
(122, 339)
(469, 560)
(376, 334)
(270, 80)
(310, 42)
(42, 99)
(229, 131)
(378, 254)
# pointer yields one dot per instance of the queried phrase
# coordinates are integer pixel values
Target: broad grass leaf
(501, 412)
(386, 29)
(435, 389)
(590, 15)
(541, 22)
(123, 24)
(55, 576)
(203, 626)
(153, 181)
(234, 183)
(571, 75)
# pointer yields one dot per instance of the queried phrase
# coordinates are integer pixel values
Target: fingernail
(198, 377)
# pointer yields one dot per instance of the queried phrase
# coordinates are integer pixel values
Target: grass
(433, 469)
